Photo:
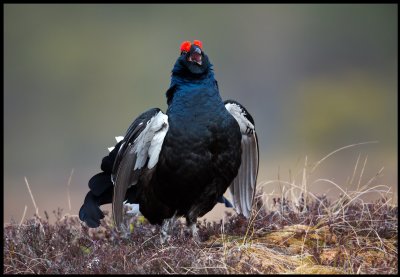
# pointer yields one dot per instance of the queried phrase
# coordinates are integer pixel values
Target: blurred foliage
(75, 76)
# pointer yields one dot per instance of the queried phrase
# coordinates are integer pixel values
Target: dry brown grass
(293, 231)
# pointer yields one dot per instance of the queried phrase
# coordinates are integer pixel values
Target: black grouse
(180, 163)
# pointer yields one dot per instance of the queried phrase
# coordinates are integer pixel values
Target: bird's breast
(202, 136)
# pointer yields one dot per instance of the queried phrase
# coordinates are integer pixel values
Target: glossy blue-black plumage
(199, 158)
(201, 151)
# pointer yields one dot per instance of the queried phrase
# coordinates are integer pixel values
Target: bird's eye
(183, 52)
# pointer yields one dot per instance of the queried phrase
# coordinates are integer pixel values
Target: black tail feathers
(90, 211)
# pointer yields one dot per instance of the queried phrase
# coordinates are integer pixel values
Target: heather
(292, 230)
(321, 236)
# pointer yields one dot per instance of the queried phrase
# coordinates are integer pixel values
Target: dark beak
(195, 56)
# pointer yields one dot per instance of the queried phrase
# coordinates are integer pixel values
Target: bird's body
(182, 162)
(201, 153)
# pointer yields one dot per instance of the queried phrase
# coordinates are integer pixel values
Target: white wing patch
(149, 142)
(244, 185)
(246, 127)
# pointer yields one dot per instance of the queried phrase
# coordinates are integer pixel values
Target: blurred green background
(314, 77)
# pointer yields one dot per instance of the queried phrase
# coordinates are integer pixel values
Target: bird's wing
(138, 153)
(243, 186)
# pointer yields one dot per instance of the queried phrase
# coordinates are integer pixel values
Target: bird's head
(192, 61)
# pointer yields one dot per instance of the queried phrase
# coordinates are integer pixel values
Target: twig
(355, 169)
(362, 172)
(23, 216)
(33, 199)
(68, 190)
(304, 185)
